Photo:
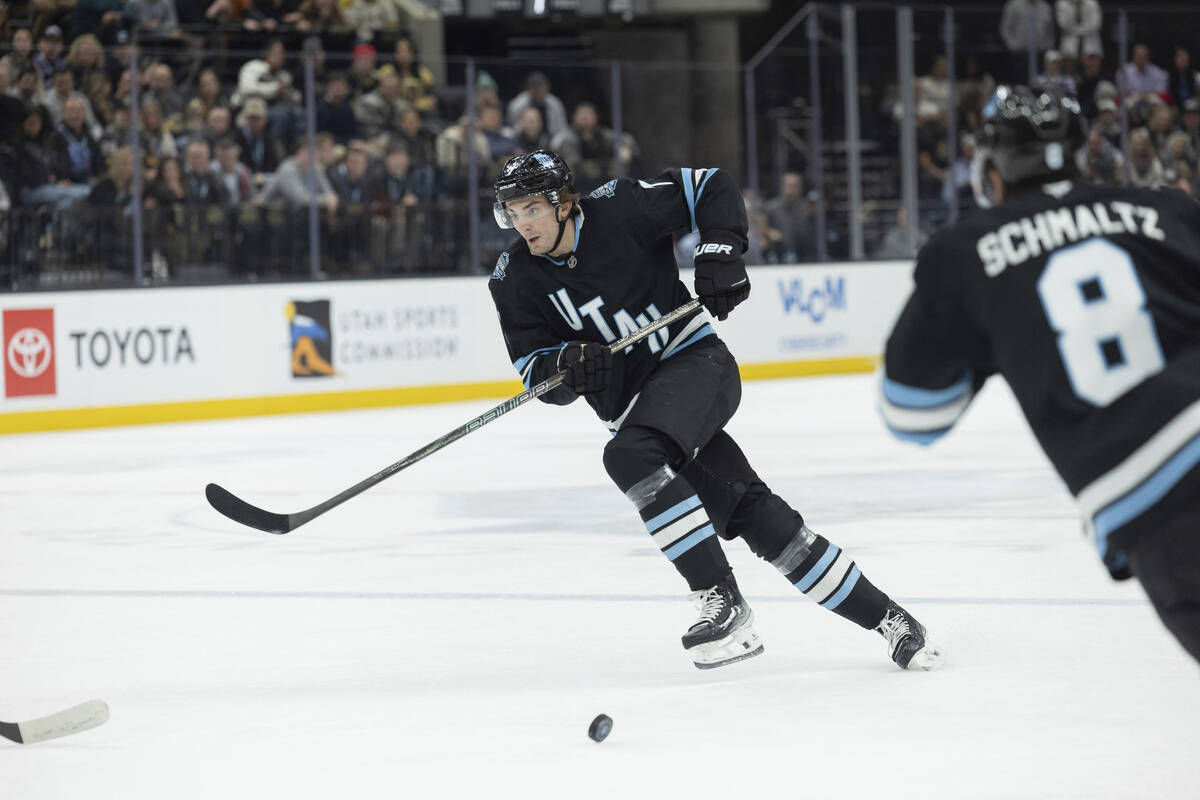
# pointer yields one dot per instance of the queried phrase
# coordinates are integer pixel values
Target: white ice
(452, 632)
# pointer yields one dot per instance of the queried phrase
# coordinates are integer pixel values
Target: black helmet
(1031, 134)
(539, 172)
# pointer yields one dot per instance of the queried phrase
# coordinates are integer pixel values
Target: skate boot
(724, 631)
(906, 640)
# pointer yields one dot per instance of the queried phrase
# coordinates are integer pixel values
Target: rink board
(123, 357)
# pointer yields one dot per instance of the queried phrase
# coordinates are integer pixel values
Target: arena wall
(124, 357)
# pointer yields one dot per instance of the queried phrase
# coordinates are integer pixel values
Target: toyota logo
(29, 352)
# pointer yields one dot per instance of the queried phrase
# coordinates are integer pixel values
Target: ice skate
(724, 631)
(906, 640)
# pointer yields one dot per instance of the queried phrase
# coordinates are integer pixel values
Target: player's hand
(721, 280)
(588, 366)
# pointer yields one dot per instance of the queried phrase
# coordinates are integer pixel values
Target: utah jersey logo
(607, 190)
(625, 322)
(501, 266)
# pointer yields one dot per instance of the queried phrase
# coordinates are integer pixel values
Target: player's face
(533, 217)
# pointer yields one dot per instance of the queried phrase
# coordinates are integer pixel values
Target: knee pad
(635, 455)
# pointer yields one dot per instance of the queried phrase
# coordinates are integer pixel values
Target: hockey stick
(79, 718)
(239, 510)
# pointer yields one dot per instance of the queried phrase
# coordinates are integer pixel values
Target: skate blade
(737, 646)
(927, 658)
(713, 665)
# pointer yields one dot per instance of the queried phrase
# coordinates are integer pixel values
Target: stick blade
(242, 512)
(82, 717)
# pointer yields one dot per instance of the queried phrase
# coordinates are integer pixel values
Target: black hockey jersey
(1087, 300)
(621, 275)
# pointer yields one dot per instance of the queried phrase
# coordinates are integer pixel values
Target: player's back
(1088, 303)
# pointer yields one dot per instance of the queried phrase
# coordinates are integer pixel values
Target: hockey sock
(809, 561)
(823, 571)
(671, 510)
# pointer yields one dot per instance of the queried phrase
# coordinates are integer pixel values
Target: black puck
(600, 728)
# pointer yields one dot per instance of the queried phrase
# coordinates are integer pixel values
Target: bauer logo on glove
(721, 280)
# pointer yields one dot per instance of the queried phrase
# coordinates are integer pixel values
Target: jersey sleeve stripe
(1146, 495)
(708, 174)
(689, 194)
(904, 420)
(922, 415)
(524, 364)
(904, 396)
(1141, 480)
(523, 361)
(925, 438)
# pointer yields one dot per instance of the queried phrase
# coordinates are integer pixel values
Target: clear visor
(511, 213)
(502, 218)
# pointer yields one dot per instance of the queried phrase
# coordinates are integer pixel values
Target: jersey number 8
(1106, 337)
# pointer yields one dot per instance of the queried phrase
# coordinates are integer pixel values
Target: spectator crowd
(1159, 93)
(1155, 87)
(223, 174)
(201, 140)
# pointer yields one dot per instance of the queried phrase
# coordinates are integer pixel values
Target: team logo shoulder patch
(498, 273)
(607, 190)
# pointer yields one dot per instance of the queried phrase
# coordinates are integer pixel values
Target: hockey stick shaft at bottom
(242, 512)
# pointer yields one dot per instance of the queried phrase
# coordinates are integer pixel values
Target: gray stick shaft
(298, 519)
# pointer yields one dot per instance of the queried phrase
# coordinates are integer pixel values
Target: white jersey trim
(1140, 465)
(615, 424)
(694, 324)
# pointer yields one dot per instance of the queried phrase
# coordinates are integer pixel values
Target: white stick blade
(79, 718)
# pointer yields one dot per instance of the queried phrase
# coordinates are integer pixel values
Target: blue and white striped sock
(826, 573)
(679, 525)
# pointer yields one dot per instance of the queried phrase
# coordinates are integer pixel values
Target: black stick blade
(242, 512)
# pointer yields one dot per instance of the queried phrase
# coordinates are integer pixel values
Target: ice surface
(452, 632)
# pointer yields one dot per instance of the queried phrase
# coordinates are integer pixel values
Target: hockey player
(588, 271)
(1087, 300)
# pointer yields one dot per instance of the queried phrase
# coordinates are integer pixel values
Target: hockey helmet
(1031, 135)
(540, 172)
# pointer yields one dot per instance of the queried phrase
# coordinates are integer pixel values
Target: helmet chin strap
(562, 228)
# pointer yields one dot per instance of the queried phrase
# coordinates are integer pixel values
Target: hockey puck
(600, 728)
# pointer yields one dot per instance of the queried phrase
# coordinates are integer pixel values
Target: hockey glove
(721, 280)
(588, 366)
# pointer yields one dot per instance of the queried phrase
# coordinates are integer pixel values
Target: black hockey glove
(721, 280)
(588, 366)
